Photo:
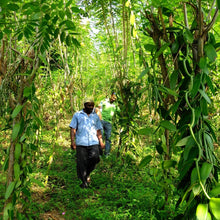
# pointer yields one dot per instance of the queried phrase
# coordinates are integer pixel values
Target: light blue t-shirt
(86, 128)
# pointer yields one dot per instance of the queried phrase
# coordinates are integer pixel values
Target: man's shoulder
(76, 114)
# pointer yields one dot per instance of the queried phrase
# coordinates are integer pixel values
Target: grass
(120, 190)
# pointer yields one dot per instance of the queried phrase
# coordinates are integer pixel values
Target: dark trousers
(87, 157)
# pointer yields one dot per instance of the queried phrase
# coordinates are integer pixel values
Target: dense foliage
(162, 60)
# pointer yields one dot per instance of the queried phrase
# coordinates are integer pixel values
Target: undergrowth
(119, 190)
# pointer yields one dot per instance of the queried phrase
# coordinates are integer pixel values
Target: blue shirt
(86, 128)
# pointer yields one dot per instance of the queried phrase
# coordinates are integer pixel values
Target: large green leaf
(149, 47)
(168, 163)
(146, 160)
(173, 79)
(27, 91)
(16, 110)
(202, 212)
(13, 7)
(183, 141)
(167, 90)
(188, 36)
(144, 72)
(6, 211)
(194, 176)
(17, 151)
(161, 50)
(70, 25)
(145, 131)
(218, 4)
(17, 170)
(168, 125)
(215, 191)
(9, 190)
(205, 96)
(15, 131)
(210, 84)
(214, 205)
(205, 170)
(196, 85)
(210, 52)
(204, 107)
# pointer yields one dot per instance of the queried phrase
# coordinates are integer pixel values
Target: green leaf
(56, 33)
(209, 141)
(13, 7)
(16, 110)
(214, 205)
(17, 170)
(183, 141)
(27, 91)
(17, 151)
(26, 191)
(68, 40)
(215, 191)
(173, 79)
(210, 52)
(20, 36)
(168, 163)
(205, 170)
(168, 125)
(1, 35)
(149, 47)
(15, 131)
(5, 164)
(62, 36)
(202, 212)
(196, 85)
(210, 84)
(175, 46)
(205, 96)
(167, 90)
(189, 145)
(159, 148)
(75, 42)
(204, 107)
(175, 106)
(9, 190)
(43, 59)
(143, 73)
(218, 4)
(196, 189)
(188, 36)
(70, 25)
(202, 63)
(145, 131)
(161, 50)
(194, 176)
(146, 160)
(76, 9)
(6, 211)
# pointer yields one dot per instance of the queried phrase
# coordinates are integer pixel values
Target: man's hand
(72, 138)
(73, 146)
(102, 145)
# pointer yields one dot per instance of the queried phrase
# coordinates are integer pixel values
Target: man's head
(88, 105)
(113, 97)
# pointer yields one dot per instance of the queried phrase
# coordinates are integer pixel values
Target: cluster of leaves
(181, 99)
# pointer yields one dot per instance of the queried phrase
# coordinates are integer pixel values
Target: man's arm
(98, 112)
(99, 135)
(72, 137)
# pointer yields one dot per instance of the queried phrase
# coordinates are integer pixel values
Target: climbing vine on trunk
(181, 84)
